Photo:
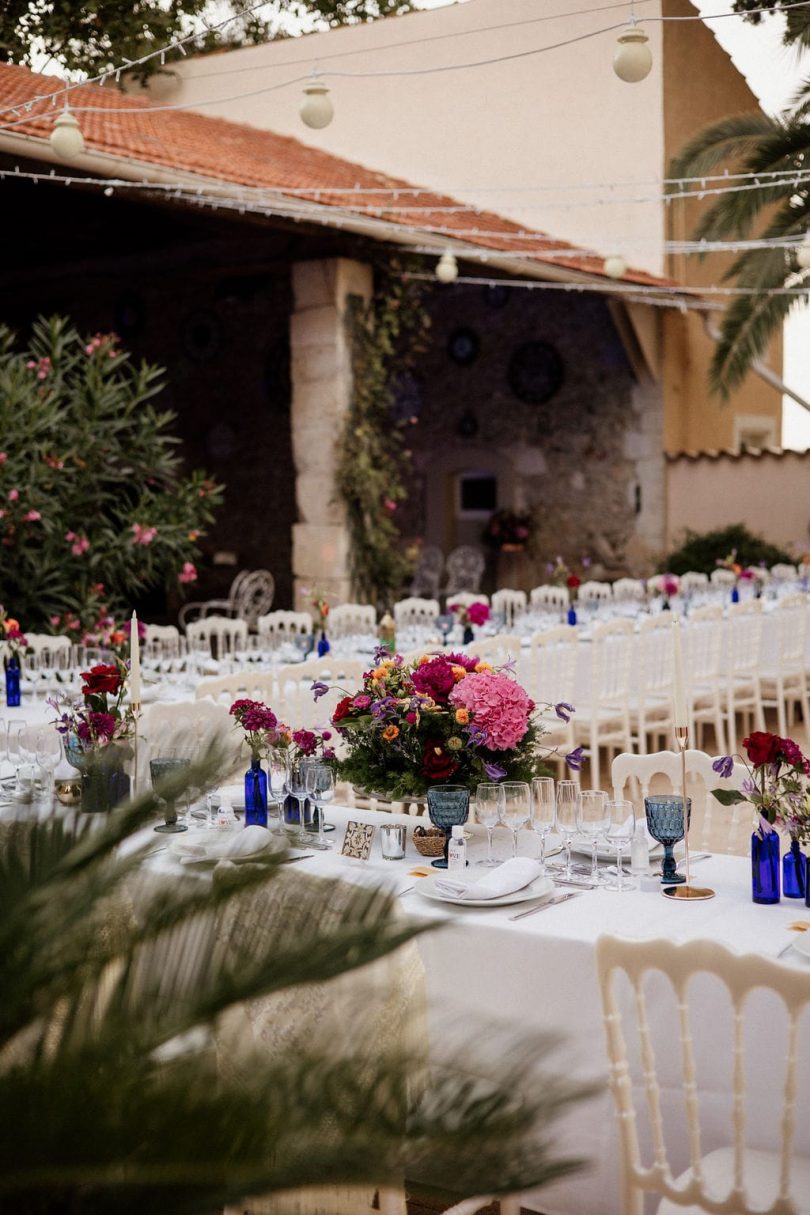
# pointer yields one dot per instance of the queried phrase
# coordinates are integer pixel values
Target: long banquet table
(539, 973)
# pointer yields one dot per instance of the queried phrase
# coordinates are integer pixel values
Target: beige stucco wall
(771, 494)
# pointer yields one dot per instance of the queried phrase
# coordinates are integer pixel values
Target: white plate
(607, 852)
(537, 889)
(184, 851)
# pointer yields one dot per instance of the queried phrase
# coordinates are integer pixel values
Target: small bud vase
(323, 645)
(255, 794)
(794, 872)
(469, 635)
(12, 682)
(765, 865)
(572, 615)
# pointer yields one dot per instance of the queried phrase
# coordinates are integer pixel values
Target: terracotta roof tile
(234, 153)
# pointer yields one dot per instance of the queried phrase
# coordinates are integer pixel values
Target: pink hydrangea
(499, 707)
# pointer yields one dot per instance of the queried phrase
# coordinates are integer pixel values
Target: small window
(477, 494)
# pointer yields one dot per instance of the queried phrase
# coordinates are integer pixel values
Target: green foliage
(101, 1116)
(88, 458)
(702, 551)
(755, 143)
(97, 38)
(371, 457)
(797, 28)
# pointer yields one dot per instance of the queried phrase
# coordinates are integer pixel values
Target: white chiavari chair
(465, 598)
(714, 828)
(352, 619)
(548, 672)
(509, 604)
(722, 579)
(274, 628)
(783, 679)
(742, 661)
(162, 641)
(187, 731)
(651, 695)
(632, 590)
(658, 1045)
(705, 680)
(221, 634)
(782, 572)
(294, 702)
(247, 683)
(694, 581)
(602, 720)
(594, 593)
(502, 648)
(414, 613)
(549, 598)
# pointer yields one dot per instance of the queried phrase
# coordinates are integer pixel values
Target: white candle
(681, 714)
(134, 662)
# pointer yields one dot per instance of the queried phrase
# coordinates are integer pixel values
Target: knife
(561, 898)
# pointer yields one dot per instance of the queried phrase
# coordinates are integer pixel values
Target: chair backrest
(281, 625)
(549, 670)
(612, 644)
(654, 656)
(465, 598)
(187, 731)
(783, 572)
(294, 702)
(704, 641)
(714, 827)
(465, 569)
(744, 638)
(249, 682)
(253, 596)
(721, 577)
(656, 1023)
(694, 580)
(428, 573)
(629, 588)
(549, 598)
(218, 632)
(509, 604)
(348, 619)
(595, 592)
(45, 650)
(789, 619)
(497, 650)
(162, 641)
(416, 612)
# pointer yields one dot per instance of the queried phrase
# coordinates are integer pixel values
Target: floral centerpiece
(742, 574)
(439, 718)
(257, 722)
(777, 790)
(468, 615)
(321, 605)
(561, 574)
(508, 531)
(97, 729)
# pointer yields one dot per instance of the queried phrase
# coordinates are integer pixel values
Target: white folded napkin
(512, 875)
(227, 844)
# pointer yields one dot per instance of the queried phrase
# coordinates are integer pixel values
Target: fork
(561, 898)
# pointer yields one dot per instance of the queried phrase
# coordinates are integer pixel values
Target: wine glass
(448, 807)
(665, 824)
(161, 769)
(544, 812)
(517, 808)
(444, 624)
(277, 760)
(49, 753)
(568, 795)
(592, 822)
(621, 825)
(6, 766)
(296, 786)
(320, 784)
(489, 804)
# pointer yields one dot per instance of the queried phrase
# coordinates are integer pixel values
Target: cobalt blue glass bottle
(794, 872)
(572, 615)
(765, 866)
(12, 681)
(735, 595)
(255, 794)
(323, 645)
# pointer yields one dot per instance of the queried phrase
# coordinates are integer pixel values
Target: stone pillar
(321, 392)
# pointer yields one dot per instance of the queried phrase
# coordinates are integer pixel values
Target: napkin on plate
(247, 842)
(512, 875)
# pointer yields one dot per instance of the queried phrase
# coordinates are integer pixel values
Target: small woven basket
(429, 841)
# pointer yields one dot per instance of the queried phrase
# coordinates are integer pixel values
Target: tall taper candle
(679, 690)
(134, 662)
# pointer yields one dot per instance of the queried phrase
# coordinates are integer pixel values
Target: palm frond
(730, 139)
(748, 325)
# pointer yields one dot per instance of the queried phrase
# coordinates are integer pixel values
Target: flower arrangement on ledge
(508, 531)
(439, 718)
(12, 635)
(776, 788)
(100, 717)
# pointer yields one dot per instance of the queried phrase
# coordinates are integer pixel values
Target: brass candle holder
(686, 891)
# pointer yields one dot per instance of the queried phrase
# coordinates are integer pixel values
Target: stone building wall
(587, 462)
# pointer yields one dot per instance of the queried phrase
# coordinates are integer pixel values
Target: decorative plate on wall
(535, 372)
(463, 346)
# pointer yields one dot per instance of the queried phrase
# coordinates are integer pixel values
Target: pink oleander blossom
(143, 535)
(13, 495)
(33, 516)
(500, 708)
(3, 457)
(188, 573)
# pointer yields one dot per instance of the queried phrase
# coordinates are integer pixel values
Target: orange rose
(11, 625)
(424, 659)
(390, 733)
(463, 717)
(458, 674)
(480, 667)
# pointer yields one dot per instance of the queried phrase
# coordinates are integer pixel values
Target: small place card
(358, 840)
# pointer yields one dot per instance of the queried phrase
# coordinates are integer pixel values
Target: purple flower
(381, 652)
(575, 759)
(319, 689)
(549, 567)
(748, 787)
(564, 711)
(723, 766)
(494, 771)
(382, 708)
(586, 563)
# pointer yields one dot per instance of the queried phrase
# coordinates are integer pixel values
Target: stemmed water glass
(665, 822)
(320, 784)
(444, 624)
(448, 807)
(49, 753)
(592, 823)
(277, 760)
(544, 812)
(296, 786)
(489, 804)
(161, 769)
(517, 808)
(621, 824)
(568, 795)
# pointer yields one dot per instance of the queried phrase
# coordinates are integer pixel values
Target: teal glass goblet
(665, 824)
(448, 807)
(161, 770)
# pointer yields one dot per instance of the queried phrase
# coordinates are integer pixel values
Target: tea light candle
(134, 662)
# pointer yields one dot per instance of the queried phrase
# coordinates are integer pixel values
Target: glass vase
(104, 782)
(794, 872)
(765, 866)
(469, 636)
(323, 645)
(735, 595)
(12, 682)
(255, 794)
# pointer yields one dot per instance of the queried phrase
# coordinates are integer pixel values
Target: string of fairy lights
(389, 207)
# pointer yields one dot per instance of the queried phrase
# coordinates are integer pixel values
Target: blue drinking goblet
(665, 824)
(448, 807)
(163, 769)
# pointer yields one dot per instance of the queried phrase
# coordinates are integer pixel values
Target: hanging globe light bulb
(803, 253)
(316, 109)
(447, 268)
(632, 58)
(615, 266)
(66, 139)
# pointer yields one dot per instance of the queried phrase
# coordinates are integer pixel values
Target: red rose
(101, 679)
(342, 709)
(437, 764)
(762, 748)
(572, 582)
